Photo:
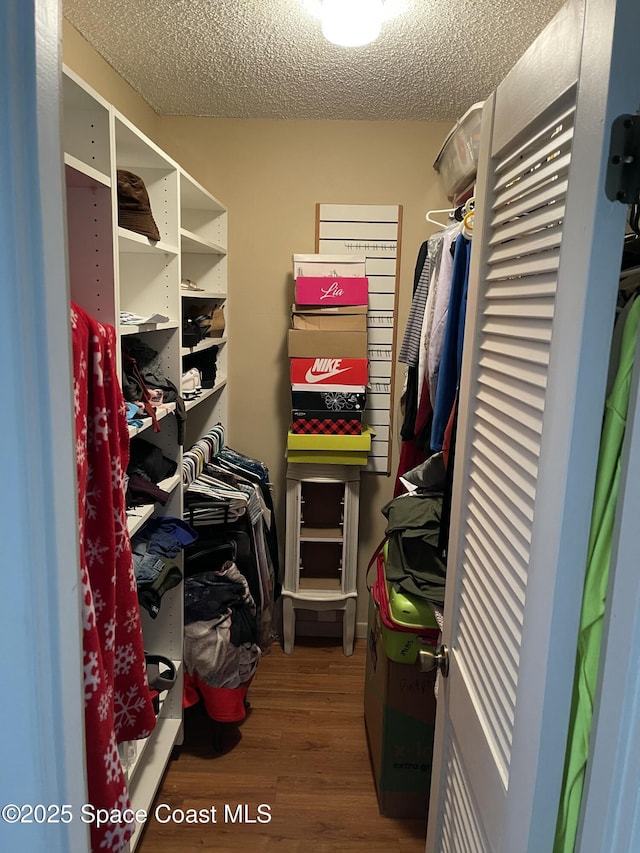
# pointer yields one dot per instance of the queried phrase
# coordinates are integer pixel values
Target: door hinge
(623, 167)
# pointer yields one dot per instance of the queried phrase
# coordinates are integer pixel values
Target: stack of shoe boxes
(328, 358)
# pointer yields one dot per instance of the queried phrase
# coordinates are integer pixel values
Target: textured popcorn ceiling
(268, 59)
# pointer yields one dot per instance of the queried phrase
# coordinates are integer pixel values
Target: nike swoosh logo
(318, 377)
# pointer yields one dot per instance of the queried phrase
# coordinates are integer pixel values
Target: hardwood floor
(302, 751)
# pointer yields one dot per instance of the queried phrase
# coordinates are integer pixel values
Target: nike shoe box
(345, 318)
(345, 266)
(329, 371)
(305, 343)
(337, 399)
(305, 423)
(336, 290)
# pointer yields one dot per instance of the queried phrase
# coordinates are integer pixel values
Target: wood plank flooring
(302, 751)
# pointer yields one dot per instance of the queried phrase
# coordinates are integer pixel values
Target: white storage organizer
(321, 545)
(113, 269)
(458, 158)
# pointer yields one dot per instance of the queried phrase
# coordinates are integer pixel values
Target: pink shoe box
(328, 291)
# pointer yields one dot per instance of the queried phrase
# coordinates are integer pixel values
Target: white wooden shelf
(138, 517)
(131, 241)
(321, 534)
(141, 746)
(156, 752)
(207, 392)
(207, 343)
(203, 294)
(320, 584)
(167, 409)
(126, 329)
(80, 174)
(321, 556)
(195, 245)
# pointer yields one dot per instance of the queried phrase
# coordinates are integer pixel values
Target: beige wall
(78, 54)
(270, 174)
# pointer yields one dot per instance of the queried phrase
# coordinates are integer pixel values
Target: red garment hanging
(118, 704)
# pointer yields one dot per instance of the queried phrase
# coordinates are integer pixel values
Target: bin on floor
(400, 707)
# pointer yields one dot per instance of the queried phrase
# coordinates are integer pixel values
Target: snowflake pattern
(98, 372)
(112, 765)
(132, 620)
(88, 609)
(94, 551)
(115, 839)
(81, 449)
(98, 602)
(91, 675)
(101, 424)
(82, 370)
(92, 496)
(110, 635)
(76, 399)
(125, 658)
(121, 530)
(118, 475)
(104, 704)
(74, 319)
(127, 705)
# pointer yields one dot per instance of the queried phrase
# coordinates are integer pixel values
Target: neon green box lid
(410, 611)
(330, 442)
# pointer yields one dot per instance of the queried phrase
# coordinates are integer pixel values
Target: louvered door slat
(538, 177)
(560, 142)
(537, 264)
(526, 288)
(549, 194)
(544, 217)
(537, 241)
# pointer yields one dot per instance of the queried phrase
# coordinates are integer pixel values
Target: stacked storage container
(328, 355)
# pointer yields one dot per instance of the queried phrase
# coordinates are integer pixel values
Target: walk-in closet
(320, 330)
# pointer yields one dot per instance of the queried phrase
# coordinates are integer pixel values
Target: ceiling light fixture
(352, 23)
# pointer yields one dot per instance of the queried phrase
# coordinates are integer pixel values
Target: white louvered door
(542, 291)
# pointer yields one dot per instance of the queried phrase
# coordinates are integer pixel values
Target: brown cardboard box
(350, 318)
(399, 711)
(307, 343)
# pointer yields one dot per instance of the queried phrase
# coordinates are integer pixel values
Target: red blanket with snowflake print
(117, 701)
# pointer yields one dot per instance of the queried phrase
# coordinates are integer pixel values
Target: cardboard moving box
(399, 712)
(304, 343)
(348, 318)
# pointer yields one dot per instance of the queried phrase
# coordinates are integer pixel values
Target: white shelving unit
(321, 546)
(203, 245)
(113, 269)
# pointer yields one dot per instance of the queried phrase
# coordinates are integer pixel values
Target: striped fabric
(410, 348)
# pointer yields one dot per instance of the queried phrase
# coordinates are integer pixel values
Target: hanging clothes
(436, 321)
(595, 588)
(118, 705)
(450, 364)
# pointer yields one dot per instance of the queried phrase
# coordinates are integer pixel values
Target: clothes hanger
(429, 217)
(467, 225)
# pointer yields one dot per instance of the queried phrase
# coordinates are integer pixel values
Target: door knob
(437, 658)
